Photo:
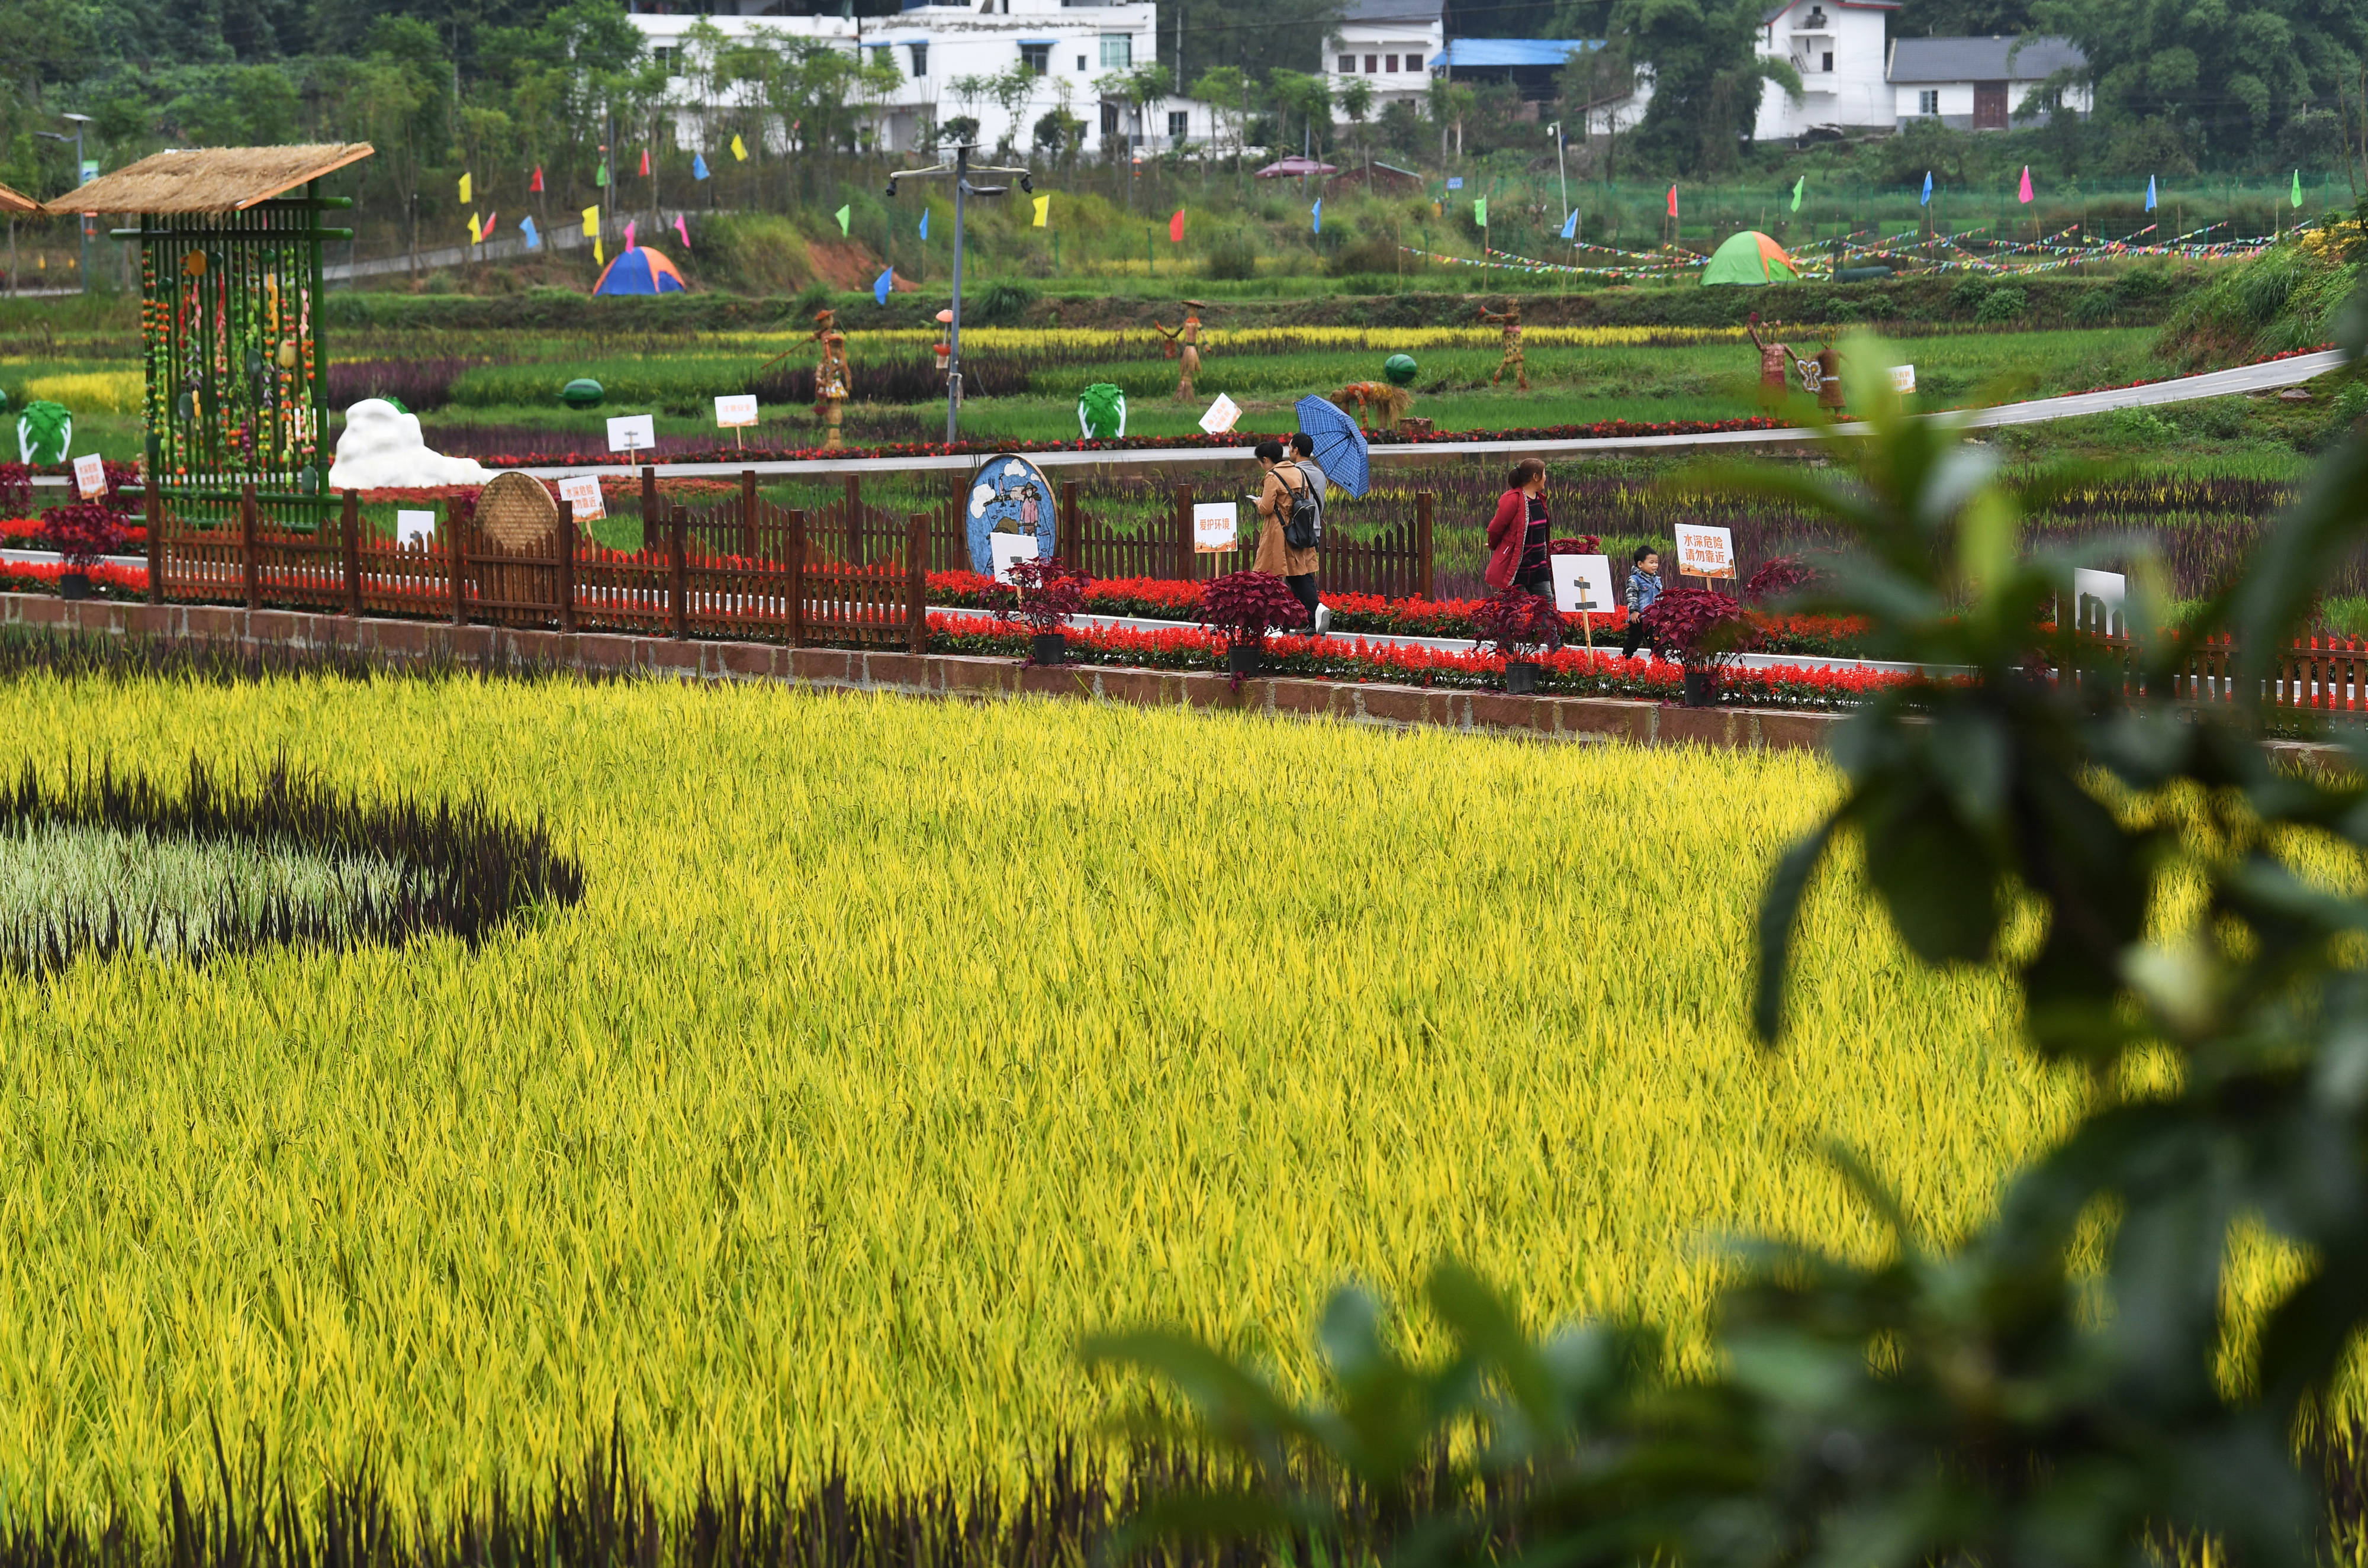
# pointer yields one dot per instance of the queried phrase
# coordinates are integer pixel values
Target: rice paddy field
(891, 1047)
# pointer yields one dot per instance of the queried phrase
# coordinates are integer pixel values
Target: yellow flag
(592, 222)
(599, 256)
(464, 188)
(739, 149)
(1043, 209)
(476, 235)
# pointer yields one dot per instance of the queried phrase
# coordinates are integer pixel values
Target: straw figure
(831, 378)
(1512, 318)
(1379, 404)
(1775, 363)
(1186, 340)
(1830, 379)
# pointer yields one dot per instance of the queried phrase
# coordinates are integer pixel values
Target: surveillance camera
(1028, 184)
(891, 189)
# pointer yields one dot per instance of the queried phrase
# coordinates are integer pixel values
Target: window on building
(1829, 61)
(1372, 62)
(1117, 51)
(1928, 101)
(1180, 125)
(920, 54)
(1389, 63)
(1414, 61)
(663, 56)
(1036, 57)
(1348, 64)
(1110, 119)
(1081, 63)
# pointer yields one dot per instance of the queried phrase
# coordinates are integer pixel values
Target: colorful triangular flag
(1570, 225)
(1480, 210)
(645, 163)
(739, 149)
(591, 223)
(1927, 201)
(537, 185)
(464, 188)
(600, 174)
(880, 285)
(842, 215)
(1800, 188)
(924, 223)
(2024, 196)
(1673, 201)
(699, 165)
(476, 235)
(1317, 210)
(628, 233)
(1043, 209)
(486, 231)
(2297, 188)
(2149, 206)
(683, 229)
(1175, 227)
(526, 233)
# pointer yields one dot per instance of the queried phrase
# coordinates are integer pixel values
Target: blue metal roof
(1463, 52)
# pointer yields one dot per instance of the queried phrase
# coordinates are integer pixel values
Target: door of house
(1990, 105)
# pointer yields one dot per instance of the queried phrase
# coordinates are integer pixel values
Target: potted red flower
(84, 533)
(1705, 631)
(1518, 622)
(1242, 607)
(1045, 595)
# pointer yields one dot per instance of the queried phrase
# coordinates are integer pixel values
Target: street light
(82, 178)
(1560, 172)
(962, 168)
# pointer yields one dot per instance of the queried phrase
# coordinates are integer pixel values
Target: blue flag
(1570, 225)
(1928, 189)
(2149, 193)
(880, 285)
(699, 165)
(1318, 211)
(924, 223)
(526, 228)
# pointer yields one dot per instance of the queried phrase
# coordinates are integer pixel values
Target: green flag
(2297, 188)
(1799, 186)
(600, 176)
(841, 216)
(1480, 212)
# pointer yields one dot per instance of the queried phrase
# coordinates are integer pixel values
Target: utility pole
(961, 169)
(82, 178)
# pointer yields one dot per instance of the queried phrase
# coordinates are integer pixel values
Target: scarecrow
(1186, 340)
(1379, 404)
(1775, 363)
(1512, 318)
(1826, 370)
(831, 379)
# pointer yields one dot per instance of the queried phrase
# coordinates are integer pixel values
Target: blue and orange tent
(640, 270)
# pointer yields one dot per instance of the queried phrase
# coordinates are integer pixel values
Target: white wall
(1852, 92)
(1382, 39)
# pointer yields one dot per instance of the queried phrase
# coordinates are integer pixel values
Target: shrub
(1777, 579)
(1001, 303)
(1232, 258)
(2001, 306)
(1969, 292)
(84, 533)
(1518, 622)
(1043, 594)
(1705, 629)
(1243, 606)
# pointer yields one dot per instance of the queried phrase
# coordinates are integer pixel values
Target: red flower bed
(42, 577)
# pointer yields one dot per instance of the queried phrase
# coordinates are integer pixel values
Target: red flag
(645, 163)
(538, 179)
(1175, 226)
(1673, 201)
(485, 231)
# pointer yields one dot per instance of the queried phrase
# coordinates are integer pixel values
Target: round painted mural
(1009, 495)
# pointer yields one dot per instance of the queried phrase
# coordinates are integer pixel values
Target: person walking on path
(1517, 534)
(1303, 457)
(1644, 587)
(1285, 484)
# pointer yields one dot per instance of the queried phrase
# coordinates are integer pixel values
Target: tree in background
(1707, 79)
(1302, 99)
(1962, 18)
(1226, 90)
(2229, 74)
(1357, 102)
(1253, 40)
(401, 102)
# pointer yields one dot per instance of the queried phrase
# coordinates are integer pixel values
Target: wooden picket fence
(676, 587)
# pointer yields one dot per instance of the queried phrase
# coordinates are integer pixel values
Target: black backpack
(1304, 528)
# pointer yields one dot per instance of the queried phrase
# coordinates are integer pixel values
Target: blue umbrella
(1339, 445)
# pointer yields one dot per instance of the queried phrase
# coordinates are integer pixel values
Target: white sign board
(1221, 416)
(734, 412)
(1216, 526)
(1582, 582)
(2107, 590)
(414, 527)
(90, 475)
(1007, 549)
(1902, 377)
(1705, 551)
(632, 432)
(582, 492)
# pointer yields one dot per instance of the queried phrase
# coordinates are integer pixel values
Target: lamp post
(962, 168)
(82, 178)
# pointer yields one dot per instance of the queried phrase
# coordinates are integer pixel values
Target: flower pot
(1245, 661)
(1521, 676)
(1702, 688)
(73, 585)
(1048, 648)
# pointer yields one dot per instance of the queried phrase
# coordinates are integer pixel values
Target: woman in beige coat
(1282, 484)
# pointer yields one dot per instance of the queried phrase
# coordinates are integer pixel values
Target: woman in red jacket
(1517, 534)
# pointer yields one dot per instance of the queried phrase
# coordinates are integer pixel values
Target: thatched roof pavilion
(209, 179)
(12, 204)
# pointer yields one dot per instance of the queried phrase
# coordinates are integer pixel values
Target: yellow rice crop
(896, 1043)
(1130, 341)
(90, 391)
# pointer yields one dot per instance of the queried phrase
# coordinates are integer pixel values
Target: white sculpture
(381, 449)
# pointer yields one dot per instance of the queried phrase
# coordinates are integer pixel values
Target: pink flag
(628, 233)
(645, 163)
(1673, 201)
(2026, 183)
(683, 229)
(486, 231)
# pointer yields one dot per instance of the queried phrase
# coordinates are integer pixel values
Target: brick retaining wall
(1394, 706)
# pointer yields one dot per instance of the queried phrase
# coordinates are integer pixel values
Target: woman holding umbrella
(1333, 451)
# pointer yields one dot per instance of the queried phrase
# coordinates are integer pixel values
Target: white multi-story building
(1067, 45)
(1839, 48)
(1977, 84)
(1393, 44)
